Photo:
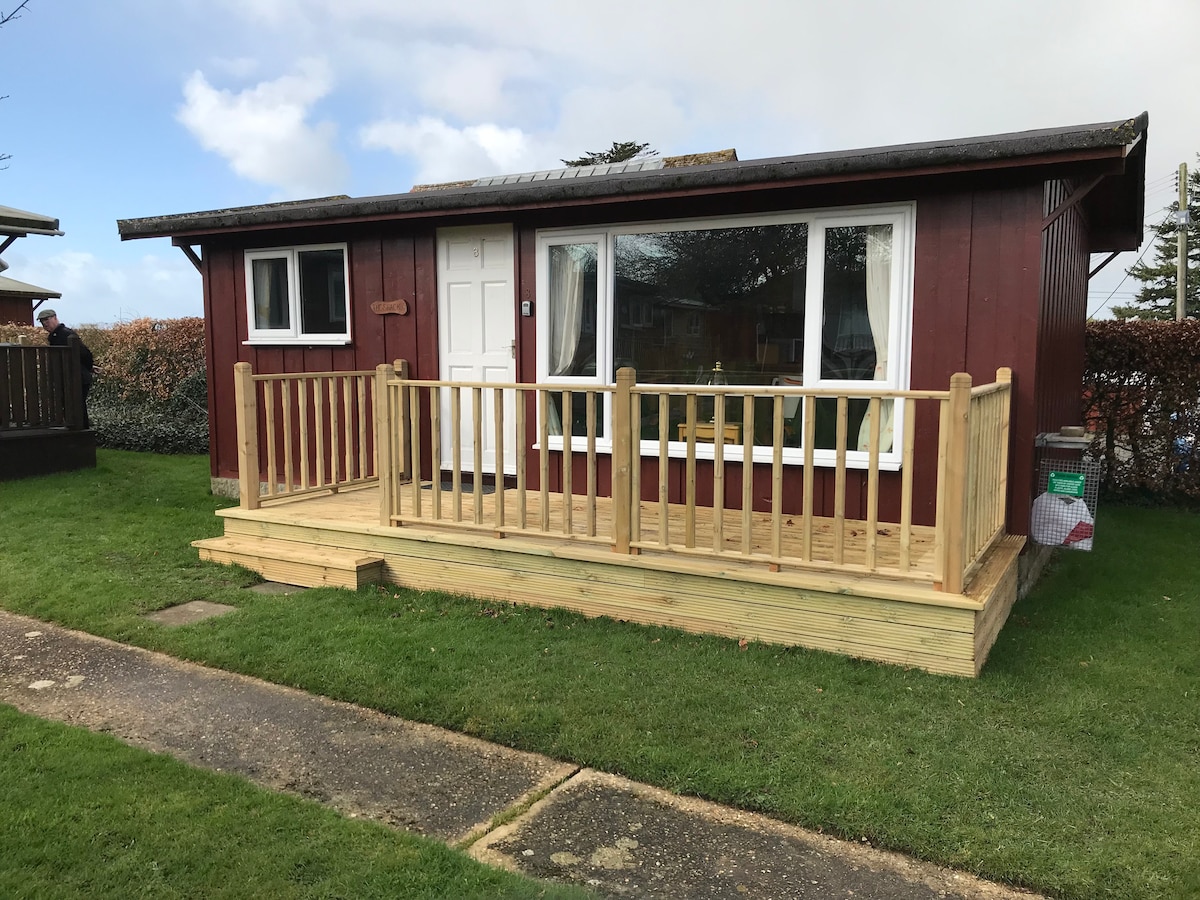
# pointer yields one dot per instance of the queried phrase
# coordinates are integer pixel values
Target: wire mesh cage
(1064, 512)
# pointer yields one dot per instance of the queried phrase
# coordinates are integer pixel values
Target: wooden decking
(337, 539)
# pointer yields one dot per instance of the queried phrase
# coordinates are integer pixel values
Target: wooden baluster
(498, 407)
(591, 463)
(906, 484)
(777, 477)
(456, 451)
(689, 516)
(435, 449)
(1004, 376)
(718, 537)
(268, 394)
(747, 473)
(810, 440)
(544, 458)
(874, 408)
(522, 458)
(664, 509)
(839, 483)
(568, 488)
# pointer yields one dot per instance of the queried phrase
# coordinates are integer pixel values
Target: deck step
(291, 562)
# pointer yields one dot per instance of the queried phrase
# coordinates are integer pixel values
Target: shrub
(1142, 401)
(150, 392)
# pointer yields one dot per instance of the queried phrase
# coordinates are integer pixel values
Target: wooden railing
(40, 387)
(971, 469)
(303, 433)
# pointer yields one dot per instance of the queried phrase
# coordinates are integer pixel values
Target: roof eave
(1043, 150)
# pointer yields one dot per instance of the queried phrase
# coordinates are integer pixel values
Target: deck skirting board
(876, 619)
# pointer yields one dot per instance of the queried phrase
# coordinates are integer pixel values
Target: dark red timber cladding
(941, 283)
(425, 312)
(224, 328)
(16, 310)
(1063, 313)
(399, 283)
(1002, 319)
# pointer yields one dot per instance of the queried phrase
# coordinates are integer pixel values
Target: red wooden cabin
(793, 281)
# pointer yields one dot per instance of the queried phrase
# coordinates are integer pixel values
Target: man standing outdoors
(60, 336)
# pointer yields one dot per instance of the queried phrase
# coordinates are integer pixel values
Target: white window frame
(293, 334)
(902, 218)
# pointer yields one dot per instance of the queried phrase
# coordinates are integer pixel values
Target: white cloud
(445, 153)
(101, 292)
(264, 133)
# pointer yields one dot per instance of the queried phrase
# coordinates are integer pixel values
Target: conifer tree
(1155, 299)
(622, 151)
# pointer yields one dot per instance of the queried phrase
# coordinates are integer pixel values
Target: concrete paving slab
(629, 840)
(359, 761)
(273, 588)
(189, 613)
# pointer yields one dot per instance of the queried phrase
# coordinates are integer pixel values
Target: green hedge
(150, 391)
(1141, 398)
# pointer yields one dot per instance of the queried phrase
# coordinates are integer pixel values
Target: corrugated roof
(1043, 147)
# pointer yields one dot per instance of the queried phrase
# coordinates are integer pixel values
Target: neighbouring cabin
(18, 299)
(680, 391)
(42, 423)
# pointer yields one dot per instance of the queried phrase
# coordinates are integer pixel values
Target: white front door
(476, 335)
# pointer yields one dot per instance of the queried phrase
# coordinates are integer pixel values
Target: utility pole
(1181, 268)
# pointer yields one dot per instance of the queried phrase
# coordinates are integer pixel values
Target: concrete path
(622, 838)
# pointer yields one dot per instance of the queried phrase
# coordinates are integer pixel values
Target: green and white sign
(1069, 484)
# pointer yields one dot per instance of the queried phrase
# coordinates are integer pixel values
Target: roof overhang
(19, 222)
(1115, 151)
(11, 289)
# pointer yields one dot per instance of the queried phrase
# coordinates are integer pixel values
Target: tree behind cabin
(1155, 299)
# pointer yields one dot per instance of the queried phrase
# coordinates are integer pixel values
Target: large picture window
(821, 299)
(298, 295)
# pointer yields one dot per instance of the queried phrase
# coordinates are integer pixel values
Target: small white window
(298, 295)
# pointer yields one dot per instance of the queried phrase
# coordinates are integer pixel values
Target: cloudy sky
(126, 108)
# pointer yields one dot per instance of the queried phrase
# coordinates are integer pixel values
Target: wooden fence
(303, 433)
(309, 432)
(971, 465)
(40, 388)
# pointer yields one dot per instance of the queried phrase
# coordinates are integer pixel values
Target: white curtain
(879, 276)
(264, 290)
(566, 316)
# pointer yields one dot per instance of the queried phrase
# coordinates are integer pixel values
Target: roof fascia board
(1040, 169)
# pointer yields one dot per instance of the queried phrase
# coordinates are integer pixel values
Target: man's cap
(45, 314)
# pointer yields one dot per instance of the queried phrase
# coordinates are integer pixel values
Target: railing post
(622, 458)
(958, 446)
(73, 416)
(247, 431)
(383, 441)
(403, 472)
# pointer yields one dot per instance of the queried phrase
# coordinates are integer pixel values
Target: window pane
(573, 302)
(270, 290)
(856, 304)
(686, 300)
(322, 292)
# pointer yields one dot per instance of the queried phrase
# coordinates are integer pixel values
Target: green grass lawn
(1072, 766)
(82, 815)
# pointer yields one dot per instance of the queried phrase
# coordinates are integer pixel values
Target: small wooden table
(706, 432)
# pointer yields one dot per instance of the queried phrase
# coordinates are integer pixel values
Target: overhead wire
(1141, 256)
